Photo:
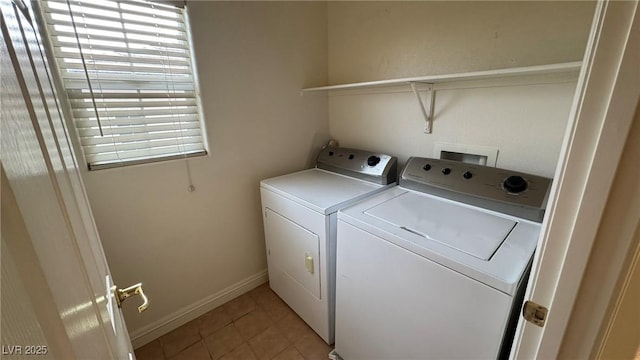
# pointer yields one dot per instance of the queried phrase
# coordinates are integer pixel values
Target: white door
(606, 98)
(41, 175)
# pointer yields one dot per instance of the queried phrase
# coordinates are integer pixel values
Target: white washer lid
(503, 271)
(469, 230)
(321, 190)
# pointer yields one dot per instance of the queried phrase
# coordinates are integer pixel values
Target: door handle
(123, 294)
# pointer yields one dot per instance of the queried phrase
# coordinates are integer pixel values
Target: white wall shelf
(474, 75)
(428, 108)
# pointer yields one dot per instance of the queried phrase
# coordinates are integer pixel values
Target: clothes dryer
(299, 213)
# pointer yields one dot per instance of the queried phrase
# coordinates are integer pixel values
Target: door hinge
(534, 313)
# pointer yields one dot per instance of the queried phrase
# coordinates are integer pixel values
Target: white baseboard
(170, 322)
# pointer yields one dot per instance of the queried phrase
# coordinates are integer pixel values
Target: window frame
(199, 113)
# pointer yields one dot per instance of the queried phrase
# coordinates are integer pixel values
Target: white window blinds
(129, 76)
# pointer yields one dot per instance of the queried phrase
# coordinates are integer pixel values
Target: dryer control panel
(371, 166)
(510, 192)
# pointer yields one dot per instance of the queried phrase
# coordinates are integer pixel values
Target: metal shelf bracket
(427, 111)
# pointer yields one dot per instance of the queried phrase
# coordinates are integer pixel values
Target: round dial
(446, 171)
(426, 167)
(373, 160)
(515, 184)
(467, 175)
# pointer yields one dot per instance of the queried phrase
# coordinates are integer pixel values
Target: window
(128, 73)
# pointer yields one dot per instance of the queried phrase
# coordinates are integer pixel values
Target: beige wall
(383, 40)
(623, 337)
(252, 59)
(524, 119)
(525, 123)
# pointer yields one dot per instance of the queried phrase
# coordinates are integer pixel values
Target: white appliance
(299, 213)
(436, 267)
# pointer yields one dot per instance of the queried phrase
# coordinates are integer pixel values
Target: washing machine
(436, 267)
(299, 213)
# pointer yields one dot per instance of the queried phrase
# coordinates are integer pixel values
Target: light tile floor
(256, 325)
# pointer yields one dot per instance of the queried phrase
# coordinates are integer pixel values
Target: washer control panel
(366, 165)
(478, 185)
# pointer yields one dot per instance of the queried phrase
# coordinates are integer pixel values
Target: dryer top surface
(321, 190)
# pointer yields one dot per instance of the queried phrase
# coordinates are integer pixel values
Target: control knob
(373, 160)
(426, 167)
(515, 184)
(446, 171)
(467, 175)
